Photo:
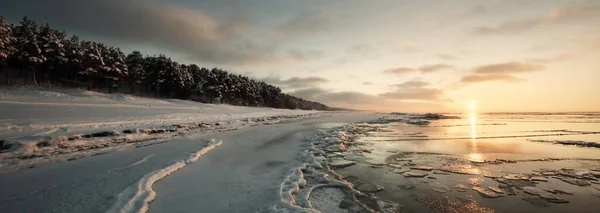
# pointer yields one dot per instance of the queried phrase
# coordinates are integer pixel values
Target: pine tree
(200, 76)
(48, 51)
(6, 45)
(74, 55)
(151, 73)
(115, 68)
(92, 62)
(52, 45)
(28, 51)
(135, 70)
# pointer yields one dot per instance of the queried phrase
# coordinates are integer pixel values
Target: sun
(472, 105)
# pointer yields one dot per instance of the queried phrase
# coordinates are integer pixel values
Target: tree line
(43, 55)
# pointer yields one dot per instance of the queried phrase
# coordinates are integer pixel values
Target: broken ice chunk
(414, 174)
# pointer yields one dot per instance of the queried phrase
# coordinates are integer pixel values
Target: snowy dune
(46, 124)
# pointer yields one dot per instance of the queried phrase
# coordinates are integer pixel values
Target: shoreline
(439, 182)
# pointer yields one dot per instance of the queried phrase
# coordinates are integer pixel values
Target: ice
(423, 168)
(137, 197)
(544, 195)
(496, 189)
(415, 174)
(460, 188)
(536, 201)
(367, 187)
(486, 193)
(327, 199)
(241, 175)
(341, 163)
(400, 171)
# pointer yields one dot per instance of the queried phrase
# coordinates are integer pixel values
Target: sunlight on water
(474, 155)
(473, 124)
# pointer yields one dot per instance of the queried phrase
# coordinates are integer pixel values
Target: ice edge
(136, 198)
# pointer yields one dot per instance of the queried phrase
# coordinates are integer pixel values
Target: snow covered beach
(178, 156)
(45, 124)
(243, 174)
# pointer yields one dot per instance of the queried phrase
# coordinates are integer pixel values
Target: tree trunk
(5, 75)
(25, 81)
(34, 79)
(48, 79)
(88, 83)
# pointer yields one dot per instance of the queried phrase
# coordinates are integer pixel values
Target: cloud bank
(559, 15)
(422, 69)
(504, 72)
(296, 83)
(191, 32)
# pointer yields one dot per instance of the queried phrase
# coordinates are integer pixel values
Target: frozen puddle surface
(137, 197)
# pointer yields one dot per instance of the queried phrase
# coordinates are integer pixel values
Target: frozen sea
(502, 162)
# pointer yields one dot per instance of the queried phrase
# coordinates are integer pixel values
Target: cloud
(477, 78)
(563, 14)
(146, 22)
(434, 68)
(447, 57)
(412, 84)
(406, 95)
(174, 27)
(304, 55)
(405, 49)
(344, 99)
(307, 22)
(503, 72)
(367, 83)
(399, 70)
(358, 52)
(415, 90)
(509, 67)
(418, 94)
(295, 83)
(423, 69)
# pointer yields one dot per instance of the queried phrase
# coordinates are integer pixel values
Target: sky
(380, 55)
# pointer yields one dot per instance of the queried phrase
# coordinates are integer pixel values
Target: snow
(156, 166)
(46, 122)
(264, 169)
(137, 197)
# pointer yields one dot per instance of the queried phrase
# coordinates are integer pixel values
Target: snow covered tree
(6, 45)
(92, 62)
(29, 52)
(188, 82)
(74, 58)
(150, 74)
(51, 43)
(135, 70)
(76, 62)
(200, 76)
(114, 68)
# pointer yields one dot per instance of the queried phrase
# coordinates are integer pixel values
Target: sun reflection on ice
(474, 156)
(473, 125)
